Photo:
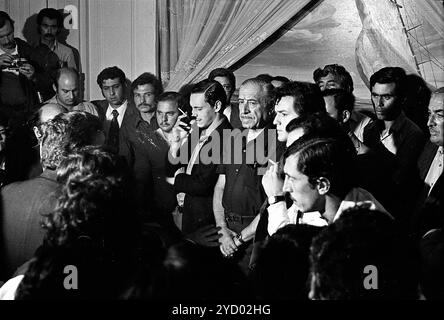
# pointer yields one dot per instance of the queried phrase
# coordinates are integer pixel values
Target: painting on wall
(329, 34)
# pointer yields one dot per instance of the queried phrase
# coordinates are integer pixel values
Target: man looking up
(146, 89)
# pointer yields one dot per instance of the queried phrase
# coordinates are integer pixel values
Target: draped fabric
(432, 11)
(382, 41)
(196, 36)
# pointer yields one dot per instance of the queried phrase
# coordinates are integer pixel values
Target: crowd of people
(287, 192)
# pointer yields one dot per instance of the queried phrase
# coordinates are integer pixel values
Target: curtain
(196, 36)
(382, 41)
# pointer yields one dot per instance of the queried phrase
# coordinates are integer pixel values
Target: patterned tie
(113, 134)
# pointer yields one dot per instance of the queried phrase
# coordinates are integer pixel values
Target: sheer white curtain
(382, 41)
(197, 36)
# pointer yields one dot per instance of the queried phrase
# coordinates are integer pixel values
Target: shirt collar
(217, 121)
(121, 109)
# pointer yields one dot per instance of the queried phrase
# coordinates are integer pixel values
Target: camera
(17, 63)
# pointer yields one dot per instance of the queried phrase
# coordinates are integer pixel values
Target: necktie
(113, 134)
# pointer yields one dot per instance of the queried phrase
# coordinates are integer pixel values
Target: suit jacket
(424, 162)
(199, 186)
(23, 205)
(133, 133)
(426, 158)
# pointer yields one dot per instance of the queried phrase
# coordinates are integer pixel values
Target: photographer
(22, 75)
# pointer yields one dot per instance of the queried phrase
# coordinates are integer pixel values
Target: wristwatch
(239, 238)
(275, 199)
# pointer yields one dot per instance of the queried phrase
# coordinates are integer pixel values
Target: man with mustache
(22, 75)
(146, 89)
(238, 194)
(395, 133)
(49, 25)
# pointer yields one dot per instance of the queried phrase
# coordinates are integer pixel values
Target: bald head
(67, 87)
(45, 113)
(49, 111)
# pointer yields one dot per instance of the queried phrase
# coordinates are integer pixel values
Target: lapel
(426, 158)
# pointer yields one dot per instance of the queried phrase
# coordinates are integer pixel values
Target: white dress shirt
(121, 110)
(435, 169)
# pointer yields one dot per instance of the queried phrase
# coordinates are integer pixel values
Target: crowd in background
(285, 193)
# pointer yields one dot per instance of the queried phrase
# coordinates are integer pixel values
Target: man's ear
(345, 116)
(218, 106)
(37, 133)
(323, 185)
(54, 87)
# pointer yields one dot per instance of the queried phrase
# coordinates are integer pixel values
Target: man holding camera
(21, 77)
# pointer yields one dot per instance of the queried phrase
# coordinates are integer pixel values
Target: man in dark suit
(24, 204)
(125, 130)
(197, 176)
(430, 162)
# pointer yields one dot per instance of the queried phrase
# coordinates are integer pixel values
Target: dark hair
(82, 129)
(362, 238)
(265, 77)
(339, 72)
(318, 124)
(307, 96)
(171, 96)
(63, 70)
(213, 92)
(344, 100)
(148, 78)
(5, 17)
(111, 73)
(50, 13)
(394, 75)
(333, 159)
(89, 228)
(93, 190)
(222, 72)
(281, 79)
(283, 266)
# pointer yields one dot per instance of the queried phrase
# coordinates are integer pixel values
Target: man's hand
(5, 60)
(179, 133)
(227, 245)
(272, 183)
(206, 236)
(27, 70)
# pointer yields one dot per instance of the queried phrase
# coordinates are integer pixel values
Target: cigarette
(182, 112)
(272, 162)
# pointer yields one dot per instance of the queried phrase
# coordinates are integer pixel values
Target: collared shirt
(121, 110)
(243, 192)
(82, 106)
(398, 133)
(279, 216)
(203, 138)
(65, 54)
(357, 122)
(435, 169)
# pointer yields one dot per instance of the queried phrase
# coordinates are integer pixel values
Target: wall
(111, 32)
